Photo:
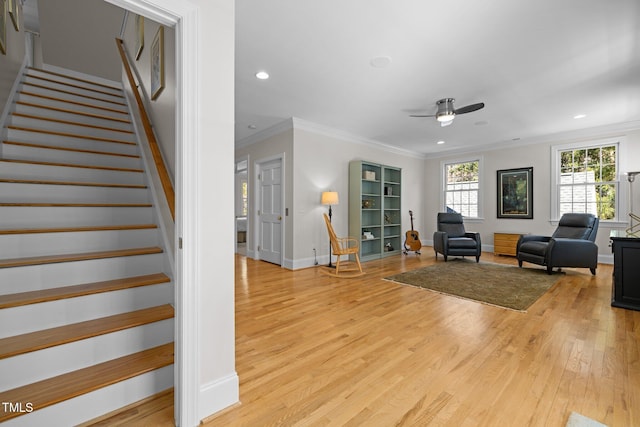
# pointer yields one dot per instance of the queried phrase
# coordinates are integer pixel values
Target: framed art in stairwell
(139, 35)
(13, 9)
(3, 27)
(515, 193)
(157, 63)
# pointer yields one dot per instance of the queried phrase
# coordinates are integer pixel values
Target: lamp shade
(330, 198)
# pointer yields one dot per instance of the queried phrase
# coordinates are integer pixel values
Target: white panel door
(270, 212)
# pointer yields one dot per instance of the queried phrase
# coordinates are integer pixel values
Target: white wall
(316, 160)
(10, 64)
(321, 163)
(163, 109)
(538, 156)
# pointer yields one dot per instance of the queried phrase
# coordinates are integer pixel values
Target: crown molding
(616, 129)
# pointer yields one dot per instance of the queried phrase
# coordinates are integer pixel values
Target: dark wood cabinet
(626, 271)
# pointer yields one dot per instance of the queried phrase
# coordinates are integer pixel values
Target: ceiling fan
(446, 113)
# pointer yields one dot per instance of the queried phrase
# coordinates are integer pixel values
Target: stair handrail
(167, 186)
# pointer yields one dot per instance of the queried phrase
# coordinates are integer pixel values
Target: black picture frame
(515, 193)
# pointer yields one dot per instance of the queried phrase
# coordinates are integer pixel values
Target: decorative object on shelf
(633, 230)
(367, 235)
(139, 35)
(368, 204)
(515, 193)
(330, 198)
(388, 191)
(387, 218)
(3, 28)
(369, 175)
(388, 247)
(157, 63)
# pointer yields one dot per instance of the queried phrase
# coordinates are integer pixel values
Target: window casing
(586, 180)
(461, 187)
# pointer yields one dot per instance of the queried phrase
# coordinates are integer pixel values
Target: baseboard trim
(218, 395)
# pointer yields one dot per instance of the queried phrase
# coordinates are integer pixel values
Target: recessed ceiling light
(481, 123)
(579, 116)
(380, 61)
(252, 127)
(440, 142)
(262, 75)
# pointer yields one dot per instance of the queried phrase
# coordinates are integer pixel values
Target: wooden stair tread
(53, 294)
(66, 92)
(75, 150)
(77, 229)
(67, 386)
(102, 92)
(78, 103)
(66, 76)
(78, 113)
(71, 135)
(72, 165)
(77, 183)
(52, 259)
(39, 340)
(71, 123)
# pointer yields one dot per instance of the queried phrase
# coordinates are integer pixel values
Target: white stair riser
(98, 93)
(67, 141)
(71, 97)
(38, 365)
(46, 276)
(102, 401)
(16, 192)
(69, 128)
(30, 193)
(65, 173)
(87, 82)
(20, 152)
(79, 118)
(40, 217)
(40, 244)
(34, 317)
(27, 96)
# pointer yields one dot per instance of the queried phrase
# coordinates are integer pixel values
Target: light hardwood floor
(314, 350)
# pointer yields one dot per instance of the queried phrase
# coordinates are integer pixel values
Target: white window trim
(481, 184)
(623, 190)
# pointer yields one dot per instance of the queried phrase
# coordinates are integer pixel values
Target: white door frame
(183, 16)
(257, 202)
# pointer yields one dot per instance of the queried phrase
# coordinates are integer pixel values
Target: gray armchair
(571, 245)
(451, 239)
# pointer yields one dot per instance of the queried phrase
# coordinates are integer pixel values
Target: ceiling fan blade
(417, 115)
(470, 108)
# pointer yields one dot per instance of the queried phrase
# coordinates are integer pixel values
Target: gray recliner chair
(571, 245)
(452, 239)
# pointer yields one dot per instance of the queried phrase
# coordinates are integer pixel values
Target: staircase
(86, 316)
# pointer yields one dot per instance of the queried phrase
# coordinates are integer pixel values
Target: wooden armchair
(343, 246)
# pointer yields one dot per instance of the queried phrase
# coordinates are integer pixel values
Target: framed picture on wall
(13, 7)
(139, 35)
(157, 63)
(3, 28)
(515, 193)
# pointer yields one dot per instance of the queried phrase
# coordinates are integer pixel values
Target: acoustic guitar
(412, 240)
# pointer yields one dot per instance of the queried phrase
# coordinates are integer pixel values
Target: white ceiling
(535, 64)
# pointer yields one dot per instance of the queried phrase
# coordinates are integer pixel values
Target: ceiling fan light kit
(446, 113)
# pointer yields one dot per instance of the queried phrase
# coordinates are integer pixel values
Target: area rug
(495, 284)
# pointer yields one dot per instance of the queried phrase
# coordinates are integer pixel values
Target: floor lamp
(330, 198)
(631, 176)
